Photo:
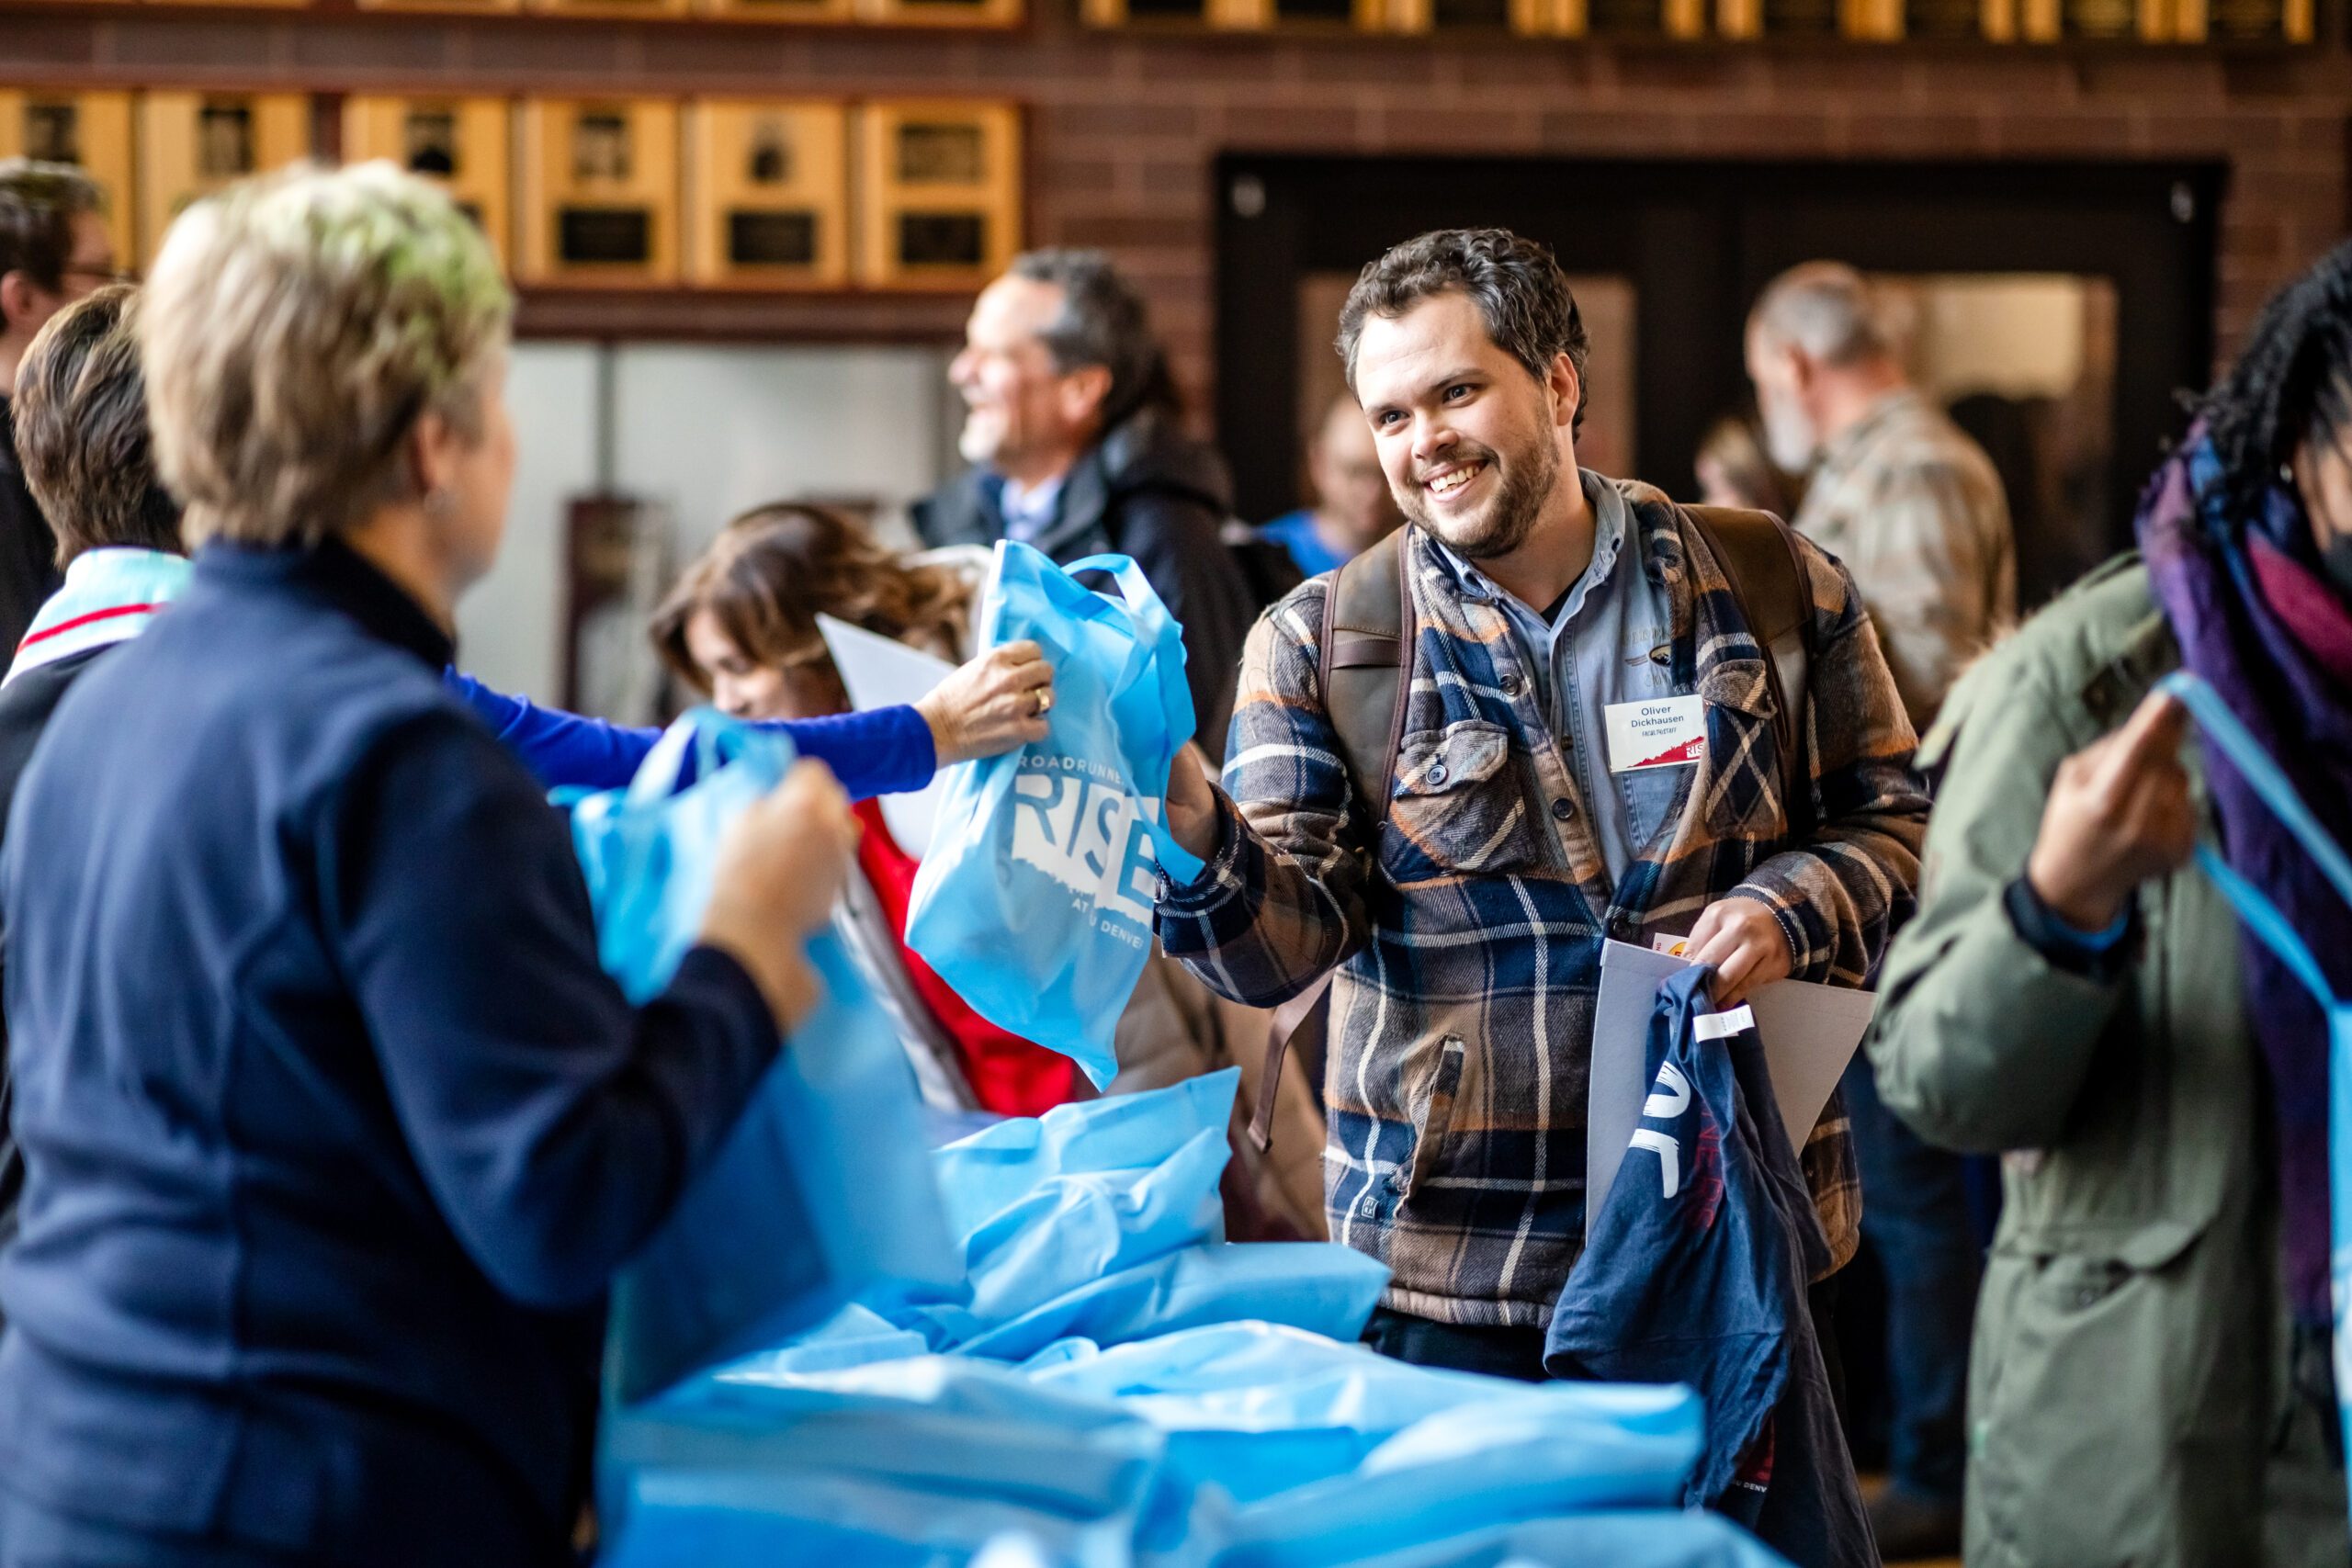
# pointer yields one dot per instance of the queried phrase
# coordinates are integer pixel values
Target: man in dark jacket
(53, 250)
(1070, 427)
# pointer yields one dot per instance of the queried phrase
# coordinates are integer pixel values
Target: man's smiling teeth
(1447, 483)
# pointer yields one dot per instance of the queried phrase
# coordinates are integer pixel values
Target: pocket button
(1437, 775)
(1563, 809)
(1510, 684)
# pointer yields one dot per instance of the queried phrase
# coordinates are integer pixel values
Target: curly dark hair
(773, 570)
(1519, 289)
(2292, 384)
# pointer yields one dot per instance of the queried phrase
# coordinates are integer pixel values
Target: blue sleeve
(2098, 956)
(554, 1125)
(887, 751)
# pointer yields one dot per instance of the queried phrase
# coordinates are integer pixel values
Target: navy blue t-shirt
(1695, 1270)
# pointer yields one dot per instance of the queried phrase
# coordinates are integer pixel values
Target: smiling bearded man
(1465, 906)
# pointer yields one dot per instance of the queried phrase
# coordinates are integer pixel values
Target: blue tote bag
(2262, 916)
(823, 1189)
(1035, 899)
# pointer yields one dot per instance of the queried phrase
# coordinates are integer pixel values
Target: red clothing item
(1011, 1076)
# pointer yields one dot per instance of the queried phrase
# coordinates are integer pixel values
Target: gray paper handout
(1809, 1031)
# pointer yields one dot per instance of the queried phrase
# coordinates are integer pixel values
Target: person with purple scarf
(2151, 1379)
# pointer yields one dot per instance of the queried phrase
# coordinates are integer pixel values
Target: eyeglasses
(99, 275)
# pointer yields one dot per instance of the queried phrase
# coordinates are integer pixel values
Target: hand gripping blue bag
(823, 1189)
(1034, 901)
(2263, 918)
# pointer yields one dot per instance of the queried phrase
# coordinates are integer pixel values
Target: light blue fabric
(982, 1175)
(822, 1189)
(1476, 1465)
(1179, 1403)
(918, 1461)
(2231, 737)
(1632, 1539)
(1258, 1408)
(1232, 1463)
(1315, 1285)
(1595, 652)
(1101, 1221)
(1035, 899)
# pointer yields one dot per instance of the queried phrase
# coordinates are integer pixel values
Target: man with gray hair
(1911, 505)
(1071, 426)
(1916, 511)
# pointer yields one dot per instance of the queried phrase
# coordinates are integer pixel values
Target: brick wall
(1123, 127)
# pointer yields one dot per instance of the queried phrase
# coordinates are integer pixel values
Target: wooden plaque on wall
(941, 13)
(599, 200)
(2244, 21)
(940, 186)
(479, 7)
(2052, 21)
(1627, 19)
(459, 142)
(767, 197)
(1364, 15)
(89, 130)
(191, 144)
(655, 9)
(1128, 13)
(779, 10)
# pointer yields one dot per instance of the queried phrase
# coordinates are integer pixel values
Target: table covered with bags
(1031, 1348)
(1109, 1384)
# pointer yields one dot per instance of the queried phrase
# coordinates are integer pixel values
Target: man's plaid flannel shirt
(1469, 937)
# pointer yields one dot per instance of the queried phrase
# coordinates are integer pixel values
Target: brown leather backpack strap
(1367, 644)
(1300, 1026)
(1362, 667)
(1760, 558)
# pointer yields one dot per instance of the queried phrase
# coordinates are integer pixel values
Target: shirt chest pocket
(1650, 797)
(1740, 783)
(1456, 806)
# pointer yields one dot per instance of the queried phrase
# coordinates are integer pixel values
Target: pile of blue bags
(1033, 1347)
(1109, 1383)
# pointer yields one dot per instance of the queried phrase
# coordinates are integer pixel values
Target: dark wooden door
(1698, 241)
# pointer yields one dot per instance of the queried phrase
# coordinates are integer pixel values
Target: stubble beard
(1526, 486)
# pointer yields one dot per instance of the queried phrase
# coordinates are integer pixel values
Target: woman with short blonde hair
(296, 330)
(334, 1132)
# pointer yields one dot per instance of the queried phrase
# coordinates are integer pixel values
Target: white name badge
(1663, 732)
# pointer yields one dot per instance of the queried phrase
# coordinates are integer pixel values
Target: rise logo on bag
(1087, 834)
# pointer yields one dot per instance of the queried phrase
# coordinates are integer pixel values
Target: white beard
(1790, 439)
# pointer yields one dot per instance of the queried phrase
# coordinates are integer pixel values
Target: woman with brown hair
(742, 623)
(742, 627)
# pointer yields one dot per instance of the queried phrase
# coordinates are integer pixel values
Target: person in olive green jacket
(2150, 1382)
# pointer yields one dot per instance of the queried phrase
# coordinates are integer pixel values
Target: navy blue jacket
(334, 1132)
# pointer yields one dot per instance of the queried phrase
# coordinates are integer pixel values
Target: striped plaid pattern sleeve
(1840, 896)
(1281, 903)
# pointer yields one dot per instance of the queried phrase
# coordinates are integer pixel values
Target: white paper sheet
(1810, 1033)
(878, 672)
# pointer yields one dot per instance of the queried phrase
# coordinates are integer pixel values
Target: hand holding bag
(823, 1189)
(1035, 899)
